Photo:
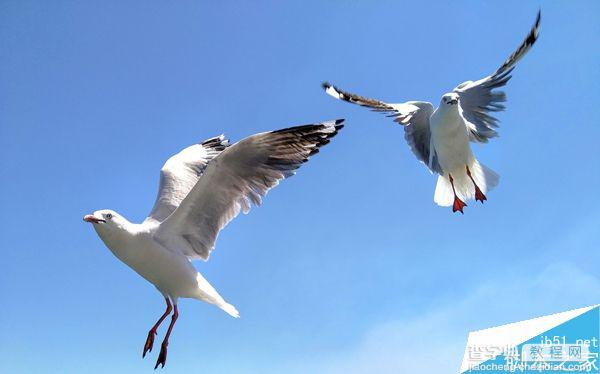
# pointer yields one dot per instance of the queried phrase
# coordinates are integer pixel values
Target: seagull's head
(449, 99)
(110, 226)
(106, 221)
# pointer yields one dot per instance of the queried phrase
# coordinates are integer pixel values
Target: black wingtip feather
(325, 85)
(307, 128)
(218, 143)
(533, 34)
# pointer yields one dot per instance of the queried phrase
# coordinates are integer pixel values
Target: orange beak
(92, 219)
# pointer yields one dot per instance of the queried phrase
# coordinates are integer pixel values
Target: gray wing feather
(418, 135)
(413, 115)
(478, 99)
(235, 180)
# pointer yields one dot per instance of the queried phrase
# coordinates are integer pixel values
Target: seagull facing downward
(202, 188)
(440, 138)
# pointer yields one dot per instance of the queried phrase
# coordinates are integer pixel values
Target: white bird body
(450, 139)
(441, 138)
(202, 188)
(170, 272)
(451, 146)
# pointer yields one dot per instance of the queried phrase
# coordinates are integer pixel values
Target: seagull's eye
(109, 215)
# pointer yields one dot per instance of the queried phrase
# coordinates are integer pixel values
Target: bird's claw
(479, 196)
(149, 343)
(458, 205)
(162, 356)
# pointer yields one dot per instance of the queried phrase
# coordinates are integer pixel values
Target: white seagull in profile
(202, 188)
(440, 138)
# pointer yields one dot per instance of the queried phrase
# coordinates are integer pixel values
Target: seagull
(440, 138)
(202, 188)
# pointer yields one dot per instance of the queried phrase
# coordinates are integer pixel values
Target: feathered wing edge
(180, 173)
(412, 115)
(477, 99)
(373, 104)
(237, 179)
(215, 145)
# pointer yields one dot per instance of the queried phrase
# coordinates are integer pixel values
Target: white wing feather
(181, 172)
(413, 115)
(477, 99)
(236, 178)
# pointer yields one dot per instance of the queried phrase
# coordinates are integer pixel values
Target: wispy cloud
(434, 341)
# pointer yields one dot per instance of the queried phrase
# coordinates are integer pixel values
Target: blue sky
(349, 267)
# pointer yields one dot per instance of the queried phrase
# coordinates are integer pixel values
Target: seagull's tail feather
(485, 178)
(230, 309)
(443, 192)
(207, 293)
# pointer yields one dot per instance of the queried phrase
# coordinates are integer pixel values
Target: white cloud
(438, 337)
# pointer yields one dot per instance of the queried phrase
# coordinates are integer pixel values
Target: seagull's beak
(93, 219)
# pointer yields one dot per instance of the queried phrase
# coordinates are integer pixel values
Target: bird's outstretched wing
(181, 172)
(236, 178)
(477, 99)
(414, 115)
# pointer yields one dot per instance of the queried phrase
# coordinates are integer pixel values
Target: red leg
(479, 196)
(162, 356)
(458, 203)
(152, 332)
